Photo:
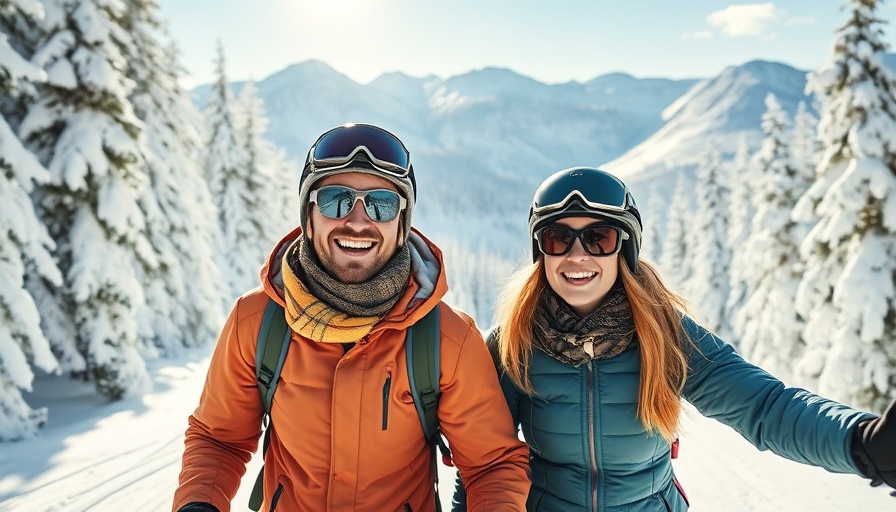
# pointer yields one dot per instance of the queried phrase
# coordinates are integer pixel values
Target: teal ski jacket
(590, 452)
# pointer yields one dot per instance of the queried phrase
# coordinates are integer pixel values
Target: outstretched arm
(789, 421)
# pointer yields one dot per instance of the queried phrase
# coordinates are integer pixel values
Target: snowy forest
(130, 219)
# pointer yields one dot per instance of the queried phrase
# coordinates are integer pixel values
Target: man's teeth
(351, 244)
(579, 275)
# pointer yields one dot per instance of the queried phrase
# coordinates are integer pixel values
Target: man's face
(354, 248)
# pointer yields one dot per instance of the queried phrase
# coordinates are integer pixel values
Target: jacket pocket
(387, 388)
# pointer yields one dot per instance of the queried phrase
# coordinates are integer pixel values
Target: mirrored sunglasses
(336, 201)
(598, 240)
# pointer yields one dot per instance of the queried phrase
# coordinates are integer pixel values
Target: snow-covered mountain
(716, 113)
(482, 141)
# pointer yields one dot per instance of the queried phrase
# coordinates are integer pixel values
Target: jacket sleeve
(223, 431)
(789, 421)
(511, 396)
(492, 461)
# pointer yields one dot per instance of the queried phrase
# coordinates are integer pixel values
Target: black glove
(874, 448)
(198, 507)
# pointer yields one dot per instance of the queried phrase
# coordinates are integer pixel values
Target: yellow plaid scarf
(314, 319)
(324, 309)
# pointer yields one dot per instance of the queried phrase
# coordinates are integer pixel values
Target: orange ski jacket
(346, 435)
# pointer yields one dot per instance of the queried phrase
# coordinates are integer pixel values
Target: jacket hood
(426, 288)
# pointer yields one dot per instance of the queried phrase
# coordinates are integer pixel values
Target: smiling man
(345, 434)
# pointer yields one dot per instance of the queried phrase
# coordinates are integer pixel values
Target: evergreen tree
(24, 243)
(848, 292)
(676, 262)
(183, 289)
(270, 162)
(772, 329)
(711, 254)
(805, 147)
(740, 216)
(84, 131)
(239, 194)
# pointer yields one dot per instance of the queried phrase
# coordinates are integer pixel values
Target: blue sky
(553, 41)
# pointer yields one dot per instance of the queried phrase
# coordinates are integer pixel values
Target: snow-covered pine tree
(240, 195)
(270, 162)
(24, 242)
(183, 292)
(83, 129)
(740, 215)
(772, 329)
(677, 248)
(711, 255)
(805, 147)
(848, 292)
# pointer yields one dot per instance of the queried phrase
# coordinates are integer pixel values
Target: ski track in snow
(126, 456)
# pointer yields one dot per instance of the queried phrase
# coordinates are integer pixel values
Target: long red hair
(657, 314)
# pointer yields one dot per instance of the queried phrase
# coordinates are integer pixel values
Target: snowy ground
(94, 456)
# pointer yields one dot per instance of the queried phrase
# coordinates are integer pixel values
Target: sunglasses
(598, 240)
(339, 147)
(336, 201)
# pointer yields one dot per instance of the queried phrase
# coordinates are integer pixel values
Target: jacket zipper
(591, 441)
(387, 386)
(276, 497)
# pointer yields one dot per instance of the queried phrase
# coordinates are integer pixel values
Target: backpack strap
(422, 351)
(270, 352)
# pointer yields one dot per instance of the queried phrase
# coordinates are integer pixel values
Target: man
(346, 434)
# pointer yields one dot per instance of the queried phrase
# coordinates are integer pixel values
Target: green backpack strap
(422, 351)
(270, 352)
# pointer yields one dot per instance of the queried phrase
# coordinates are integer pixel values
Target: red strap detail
(675, 448)
(446, 460)
(681, 491)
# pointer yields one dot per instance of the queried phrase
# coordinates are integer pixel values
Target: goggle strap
(577, 195)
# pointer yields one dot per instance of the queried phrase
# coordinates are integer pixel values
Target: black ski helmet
(587, 192)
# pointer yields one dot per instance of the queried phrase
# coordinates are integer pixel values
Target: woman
(596, 353)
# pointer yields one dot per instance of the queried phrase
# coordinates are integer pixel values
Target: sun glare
(334, 7)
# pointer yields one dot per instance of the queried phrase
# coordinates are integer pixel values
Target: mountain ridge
(482, 141)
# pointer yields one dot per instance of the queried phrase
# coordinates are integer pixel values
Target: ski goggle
(600, 192)
(336, 201)
(598, 240)
(339, 146)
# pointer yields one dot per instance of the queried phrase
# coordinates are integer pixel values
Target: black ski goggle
(600, 192)
(339, 146)
(336, 201)
(597, 239)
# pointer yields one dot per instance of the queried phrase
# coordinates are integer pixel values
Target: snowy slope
(716, 113)
(126, 456)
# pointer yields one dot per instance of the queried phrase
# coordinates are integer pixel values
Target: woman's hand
(874, 448)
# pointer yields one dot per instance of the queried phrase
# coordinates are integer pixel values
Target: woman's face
(580, 279)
